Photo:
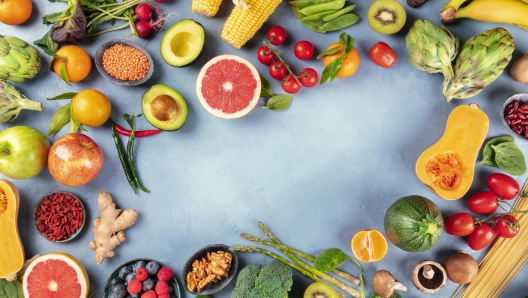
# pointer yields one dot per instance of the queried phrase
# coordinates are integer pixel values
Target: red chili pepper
(138, 133)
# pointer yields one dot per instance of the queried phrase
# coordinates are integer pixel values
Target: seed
(125, 63)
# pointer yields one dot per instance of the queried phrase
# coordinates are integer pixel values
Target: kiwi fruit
(386, 16)
(320, 289)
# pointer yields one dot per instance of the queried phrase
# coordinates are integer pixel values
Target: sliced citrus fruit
(55, 275)
(369, 246)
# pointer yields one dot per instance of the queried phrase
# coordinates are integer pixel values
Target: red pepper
(137, 133)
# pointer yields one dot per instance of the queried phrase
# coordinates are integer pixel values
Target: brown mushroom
(461, 268)
(429, 276)
(384, 284)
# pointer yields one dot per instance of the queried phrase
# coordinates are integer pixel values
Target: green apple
(23, 152)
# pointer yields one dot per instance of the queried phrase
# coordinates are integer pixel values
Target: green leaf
(11, 289)
(47, 44)
(331, 70)
(394, 295)
(51, 18)
(343, 38)
(509, 158)
(330, 259)
(330, 52)
(64, 74)
(74, 123)
(60, 119)
(67, 95)
(488, 154)
(349, 44)
(278, 102)
(265, 90)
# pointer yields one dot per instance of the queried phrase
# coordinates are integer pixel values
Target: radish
(143, 12)
(144, 29)
(161, 1)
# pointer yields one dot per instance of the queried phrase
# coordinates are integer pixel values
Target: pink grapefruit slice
(228, 86)
(55, 275)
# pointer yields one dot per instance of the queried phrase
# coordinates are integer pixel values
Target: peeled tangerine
(447, 168)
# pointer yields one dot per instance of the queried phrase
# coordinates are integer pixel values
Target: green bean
(339, 13)
(122, 157)
(340, 22)
(130, 155)
(314, 17)
(305, 3)
(318, 8)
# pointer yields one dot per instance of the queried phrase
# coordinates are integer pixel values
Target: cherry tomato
(277, 70)
(504, 186)
(276, 35)
(265, 55)
(290, 85)
(382, 55)
(507, 226)
(481, 237)
(484, 202)
(303, 50)
(459, 224)
(308, 77)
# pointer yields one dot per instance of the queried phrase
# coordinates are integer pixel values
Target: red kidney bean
(54, 220)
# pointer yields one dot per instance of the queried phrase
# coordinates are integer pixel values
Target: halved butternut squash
(447, 168)
(11, 249)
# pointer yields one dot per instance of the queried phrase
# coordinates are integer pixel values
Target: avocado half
(164, 107)
(183, 43)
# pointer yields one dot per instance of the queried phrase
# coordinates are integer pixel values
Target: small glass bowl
(202, 253)
(39, 204)
(522, 98)
(109, 44)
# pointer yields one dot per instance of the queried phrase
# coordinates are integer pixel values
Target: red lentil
(125, 63)
(59, 216)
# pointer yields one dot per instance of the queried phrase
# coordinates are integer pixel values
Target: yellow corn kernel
(242, 25)
(206, 8)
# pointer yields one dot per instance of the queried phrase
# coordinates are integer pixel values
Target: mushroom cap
(424, 284)
(383, 283)
(461, 268)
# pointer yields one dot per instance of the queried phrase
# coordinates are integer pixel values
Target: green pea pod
(318, 23)
(339, 13)
(313, 17)
(305, 3)
(318, 8)
(340, 22)
(312, 25)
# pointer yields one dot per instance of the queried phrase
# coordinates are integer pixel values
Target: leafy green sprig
(64, 115)
(274, 102)
(331, 70)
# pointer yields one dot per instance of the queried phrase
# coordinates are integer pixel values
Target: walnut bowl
(219, 269)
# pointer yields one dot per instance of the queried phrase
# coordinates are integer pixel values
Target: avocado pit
(164, 107)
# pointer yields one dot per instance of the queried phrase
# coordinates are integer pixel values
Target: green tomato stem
(277, 54)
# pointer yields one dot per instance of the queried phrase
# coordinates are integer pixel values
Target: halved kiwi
(320, 289)
(386, 16)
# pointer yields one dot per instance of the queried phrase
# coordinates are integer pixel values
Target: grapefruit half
(55, 275)
(228, 86)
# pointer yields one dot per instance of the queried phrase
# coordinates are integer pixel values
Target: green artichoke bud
(18, 59)
(12, 102)
(481, 60)
(432, 48)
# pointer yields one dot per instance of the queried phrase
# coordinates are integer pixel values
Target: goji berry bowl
(514, 115)
(124, 62)
(59, 216)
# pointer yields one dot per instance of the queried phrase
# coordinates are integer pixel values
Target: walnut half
(210, 270)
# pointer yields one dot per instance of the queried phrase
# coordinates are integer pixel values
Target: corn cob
(206, 8)
(241, 25)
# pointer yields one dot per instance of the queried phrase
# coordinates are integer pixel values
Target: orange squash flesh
(11, 249)
(447, 167)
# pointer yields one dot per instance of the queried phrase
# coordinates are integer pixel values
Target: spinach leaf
(265, 90)
(332, 258)
(278, 102)
(488, 155)
(51, 18)
(11, 289)
(60, 119)
(47, 44)
(509, 158)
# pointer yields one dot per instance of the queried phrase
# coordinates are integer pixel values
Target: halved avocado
(183, 43)
(164, 107)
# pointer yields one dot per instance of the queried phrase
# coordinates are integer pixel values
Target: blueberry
(153, 267)
(130, 277)
(139, 264)
(135, 295)
(114, 281)
(124, 272)
(121, 293)
(148, 284)
(119, 290)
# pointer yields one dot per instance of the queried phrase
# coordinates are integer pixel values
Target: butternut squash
(447, 167)
(11, 249)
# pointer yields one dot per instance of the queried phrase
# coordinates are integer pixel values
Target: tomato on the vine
(277, 70)
(308, 77)
(481, 237)
(506, 226)
(265, 55)
(382, 54)
(504, 186)
(303, 50)
(290, 85)
(459, 224)
(276, 35)
(484, 202)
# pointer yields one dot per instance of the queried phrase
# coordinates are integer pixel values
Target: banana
(513, 12)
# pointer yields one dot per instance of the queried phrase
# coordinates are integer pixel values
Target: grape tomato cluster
(481, 232)
(279, 70)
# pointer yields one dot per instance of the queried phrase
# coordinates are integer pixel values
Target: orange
(91, 107)
(15, 12)
(350, 63)
(76, 62)
(369, 246)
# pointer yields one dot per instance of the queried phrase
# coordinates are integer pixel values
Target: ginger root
(108, 228)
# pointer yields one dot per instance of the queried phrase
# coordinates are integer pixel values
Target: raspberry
(165, 273)
(164, 295)
(134, 286)
(141, 274)
(162, 287)
(149, 294)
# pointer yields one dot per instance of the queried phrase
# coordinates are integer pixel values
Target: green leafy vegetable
(330, 259)
(202, 296)
(331, 70)
(278, 102)
(47, 44)
(509, 158)
(11, 289)
(488, 155)
(265, 90)
(394, 295)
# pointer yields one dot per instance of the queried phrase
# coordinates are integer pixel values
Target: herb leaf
(349, 44)
(51, 18)
(67, 95)
(64, 74)
(278, 102)
(331, 70)
(509, 158)
(265, 90)
(74, 128)
(330, 259)
(330, 52)
(11, 289)
(488, 154)
(47, 44)
(60, 119)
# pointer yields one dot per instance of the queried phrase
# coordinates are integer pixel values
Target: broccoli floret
(257, 281)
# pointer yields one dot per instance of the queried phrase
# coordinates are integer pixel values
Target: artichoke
(12, 102)
(18, 59)
(482, 59)
(432, 48)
